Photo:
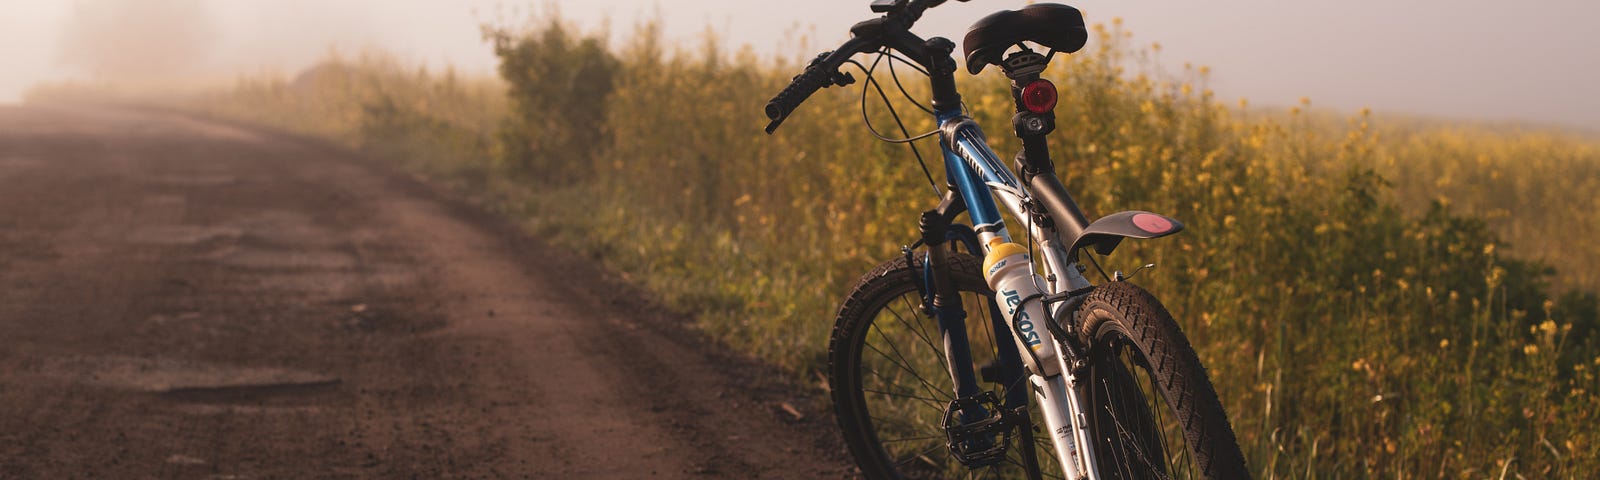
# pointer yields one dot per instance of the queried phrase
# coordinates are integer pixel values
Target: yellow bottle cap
(1000, 251)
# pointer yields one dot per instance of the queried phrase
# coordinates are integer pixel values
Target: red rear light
(1039, 96)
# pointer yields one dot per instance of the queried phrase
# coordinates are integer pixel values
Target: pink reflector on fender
(1152, 223)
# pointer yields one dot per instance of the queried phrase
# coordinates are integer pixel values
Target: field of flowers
(1374, 296)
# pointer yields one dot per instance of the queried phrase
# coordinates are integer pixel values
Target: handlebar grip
(820, 73)
(807, 83)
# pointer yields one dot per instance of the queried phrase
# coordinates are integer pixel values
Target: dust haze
(182, 44)
(137, 40)
(1474, 60)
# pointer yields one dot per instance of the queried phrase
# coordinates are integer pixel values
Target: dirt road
(183, 299)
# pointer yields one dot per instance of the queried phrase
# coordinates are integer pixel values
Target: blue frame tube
(969, 169)
(970, 166)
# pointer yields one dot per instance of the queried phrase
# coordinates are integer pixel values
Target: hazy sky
(1532, 61)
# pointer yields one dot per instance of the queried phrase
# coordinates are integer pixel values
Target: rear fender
(1104, 234)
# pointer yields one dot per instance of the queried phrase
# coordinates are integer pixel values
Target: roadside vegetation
(1373, 296)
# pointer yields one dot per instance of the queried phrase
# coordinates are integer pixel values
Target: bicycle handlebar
(819, 74)
(823, 71)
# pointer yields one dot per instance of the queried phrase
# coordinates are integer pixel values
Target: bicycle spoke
(929, 405)
(900, 361)
(1160, 422)
(898, 422)
(903, 385)
(1145, 440)
(930, 401)
(1176, 463)
(1112, 406)
(920, 332)
(908, 439)
(921, 455)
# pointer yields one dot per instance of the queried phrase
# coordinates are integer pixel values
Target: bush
(558, 87)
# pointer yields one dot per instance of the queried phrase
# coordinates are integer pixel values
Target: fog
(1532, 62)
(200, 41)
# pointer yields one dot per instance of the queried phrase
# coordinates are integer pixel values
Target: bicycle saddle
(1052, 25)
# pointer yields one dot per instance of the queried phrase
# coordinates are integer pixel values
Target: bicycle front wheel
(892, 385)
(1154, 412)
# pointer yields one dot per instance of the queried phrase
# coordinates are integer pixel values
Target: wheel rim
(903, 388)
(1139, 436)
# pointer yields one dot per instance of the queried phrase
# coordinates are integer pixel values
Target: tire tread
(1183, 379)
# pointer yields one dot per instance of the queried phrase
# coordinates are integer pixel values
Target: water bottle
(1010, 274)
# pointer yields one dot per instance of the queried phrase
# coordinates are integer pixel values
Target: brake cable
(909, 140)
(901, 86)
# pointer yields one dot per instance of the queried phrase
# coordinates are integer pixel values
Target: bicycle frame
(978, 177)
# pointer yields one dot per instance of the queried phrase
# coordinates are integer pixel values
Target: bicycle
(1055, 376)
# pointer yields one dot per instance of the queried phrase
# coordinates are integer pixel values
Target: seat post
(1023, 67)
(1034, 165)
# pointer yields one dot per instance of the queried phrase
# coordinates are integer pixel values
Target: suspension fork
(939, 296)
(943, 299)
(1008, 369)
(945, 303)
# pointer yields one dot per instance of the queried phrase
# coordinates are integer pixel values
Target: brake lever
(838, 78)
(842, 79)
(820, 57)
